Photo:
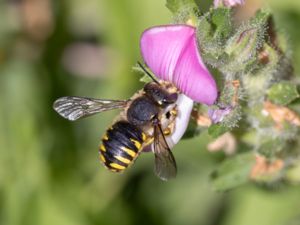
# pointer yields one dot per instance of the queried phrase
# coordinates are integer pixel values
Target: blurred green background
(49, 168)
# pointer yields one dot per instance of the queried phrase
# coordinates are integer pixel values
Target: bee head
(160, 95)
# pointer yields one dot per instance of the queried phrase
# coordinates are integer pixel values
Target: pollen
(167, 131)
(174, 112)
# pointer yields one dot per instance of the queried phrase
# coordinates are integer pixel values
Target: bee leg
(171, 115)
(148, 141)
(168, 130)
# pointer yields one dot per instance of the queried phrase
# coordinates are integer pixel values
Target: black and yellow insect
(145, 120)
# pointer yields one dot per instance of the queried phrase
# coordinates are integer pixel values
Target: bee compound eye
(170, 99)
(173, 97)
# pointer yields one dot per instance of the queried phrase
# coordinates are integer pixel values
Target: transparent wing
(74, 108)
(165, 164)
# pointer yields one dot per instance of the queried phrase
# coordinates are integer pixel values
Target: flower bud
(218, 115)
(242, 48)
(228, 3)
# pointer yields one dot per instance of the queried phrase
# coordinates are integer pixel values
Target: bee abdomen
(121, 145)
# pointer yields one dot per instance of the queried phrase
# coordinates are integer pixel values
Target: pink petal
(218, 115)
(171, 53)
(228, 3)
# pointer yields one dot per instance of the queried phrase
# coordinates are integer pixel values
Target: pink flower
(218, 115)
(171, 53)
(228, 3)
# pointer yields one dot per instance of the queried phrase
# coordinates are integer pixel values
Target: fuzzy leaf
(213, 30)
(261, 18)
(175, 6)
(233, 172)
(242, 47)
(221, 20)
(215, 26)
(217, 130)
(283, 93)
(144, 78)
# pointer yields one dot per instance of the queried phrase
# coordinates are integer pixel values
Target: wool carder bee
(146, 121)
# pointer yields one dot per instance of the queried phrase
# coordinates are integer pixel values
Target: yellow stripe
(144, 137)
(117, 166)
(102, 148)
(102, 158)
(137, 144)
(105, 137)
(123, 160)
(129, 151)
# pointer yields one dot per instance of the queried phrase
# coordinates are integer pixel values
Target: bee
(146, 120)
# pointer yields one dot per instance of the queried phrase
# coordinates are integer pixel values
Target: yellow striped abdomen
(121, 145)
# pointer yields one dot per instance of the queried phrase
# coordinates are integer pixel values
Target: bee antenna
(147, 72)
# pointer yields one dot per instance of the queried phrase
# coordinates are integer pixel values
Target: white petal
(185, 106)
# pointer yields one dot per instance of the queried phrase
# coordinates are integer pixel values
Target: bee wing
(165, 164)
(74, 108)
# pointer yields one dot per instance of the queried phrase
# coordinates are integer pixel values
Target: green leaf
(216, 25)
(242, 48)
(175, 6)
(233, 172)
(217, 130)
(221, 20)
(184, 11)
(213, 30)
(145, 78)
(283, 93)
(261, 18)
